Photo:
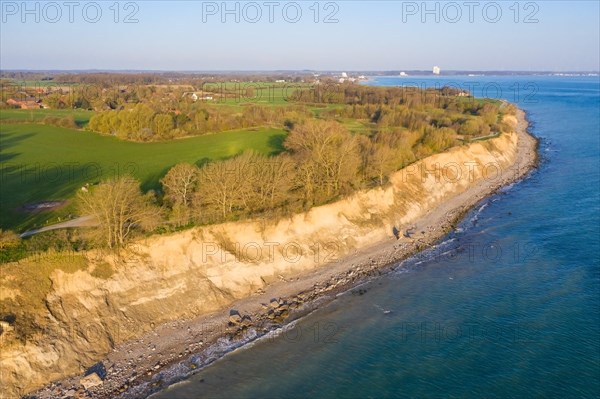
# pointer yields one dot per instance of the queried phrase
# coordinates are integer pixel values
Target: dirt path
(83, 221)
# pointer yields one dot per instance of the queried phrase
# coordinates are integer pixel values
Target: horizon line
(293, 70)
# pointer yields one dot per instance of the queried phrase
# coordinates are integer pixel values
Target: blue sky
(368, 35)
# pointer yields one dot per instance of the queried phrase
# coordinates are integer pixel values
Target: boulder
(234, 316)
(90, 381)
(246, 321)
(97, 368)
(283, 307)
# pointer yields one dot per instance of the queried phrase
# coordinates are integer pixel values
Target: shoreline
(175, 350)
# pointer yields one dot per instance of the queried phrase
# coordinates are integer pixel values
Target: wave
(443, 248)
(475, 218)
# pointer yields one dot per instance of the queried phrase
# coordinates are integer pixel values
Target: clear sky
(269, 35)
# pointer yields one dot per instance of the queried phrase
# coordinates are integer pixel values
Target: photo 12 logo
(270, 12)
(470, 11)
(69, 11)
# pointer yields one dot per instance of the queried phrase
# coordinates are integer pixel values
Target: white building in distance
(436, 70)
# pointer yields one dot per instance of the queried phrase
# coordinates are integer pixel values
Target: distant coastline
(414, 72)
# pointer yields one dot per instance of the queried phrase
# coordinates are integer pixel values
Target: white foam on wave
(273, 334)
(441, 249)
(475, 216)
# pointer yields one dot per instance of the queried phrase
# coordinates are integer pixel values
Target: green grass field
(40, 162)
(255, 92)
(82, 117)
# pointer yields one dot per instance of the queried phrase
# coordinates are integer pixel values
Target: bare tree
(263, 182)
(274, 178)
(217, 186)
(243, 185)
(328, 157)
(381, 161)
(120, 209)
(180, 183)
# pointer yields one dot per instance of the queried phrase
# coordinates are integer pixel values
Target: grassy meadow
(41, 162)
(264, 93)
(81, 117)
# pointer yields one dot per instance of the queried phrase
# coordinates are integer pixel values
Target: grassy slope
(40, 162)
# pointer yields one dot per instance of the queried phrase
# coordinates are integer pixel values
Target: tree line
(322, 162)
(424, 111)
(150, 122)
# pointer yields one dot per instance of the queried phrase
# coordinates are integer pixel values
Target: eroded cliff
(201, 270)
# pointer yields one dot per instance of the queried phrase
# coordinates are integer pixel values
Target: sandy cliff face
(204, 269)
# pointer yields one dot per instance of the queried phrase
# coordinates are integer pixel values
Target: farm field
(256, 92)
(47, 163)
(82, 117)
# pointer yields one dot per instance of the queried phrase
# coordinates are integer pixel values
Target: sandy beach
(177, 349)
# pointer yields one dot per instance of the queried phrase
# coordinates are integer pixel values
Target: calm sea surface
(506, 307)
